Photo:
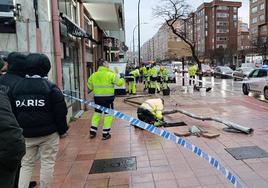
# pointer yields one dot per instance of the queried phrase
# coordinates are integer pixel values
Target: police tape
(168, 136)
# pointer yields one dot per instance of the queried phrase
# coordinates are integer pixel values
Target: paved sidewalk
(162, 163)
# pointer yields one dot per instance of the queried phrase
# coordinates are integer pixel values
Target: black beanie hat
(37, 64)
(16, 63)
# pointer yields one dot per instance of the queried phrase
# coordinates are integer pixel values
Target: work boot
(106, 136)
(91, 136)
(32, 184)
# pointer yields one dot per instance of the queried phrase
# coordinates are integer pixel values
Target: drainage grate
(113, 165)
(248, 152)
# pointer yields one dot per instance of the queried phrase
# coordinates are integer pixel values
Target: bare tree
(174, 13)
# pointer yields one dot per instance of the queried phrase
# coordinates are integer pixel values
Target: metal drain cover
(248, 152)
(113, 165)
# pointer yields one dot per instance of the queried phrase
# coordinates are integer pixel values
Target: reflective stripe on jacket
(103, 81)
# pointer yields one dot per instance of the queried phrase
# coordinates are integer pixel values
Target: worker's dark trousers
(145, 115)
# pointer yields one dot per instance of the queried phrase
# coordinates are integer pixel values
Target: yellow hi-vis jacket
(103, 81)
(155, 106)
(192, 70)
(135, 72)
(153, 72)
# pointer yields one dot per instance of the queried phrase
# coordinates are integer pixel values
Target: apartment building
(74, 34)
(259, 29)
(164, 45)
(243, 42)
(216, 30)
(258, 18)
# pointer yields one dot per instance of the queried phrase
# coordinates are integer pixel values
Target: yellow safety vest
(103, 81)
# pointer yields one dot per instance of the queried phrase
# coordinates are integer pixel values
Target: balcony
(109, 15)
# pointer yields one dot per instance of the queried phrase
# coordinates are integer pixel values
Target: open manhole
(248, 152)
(113, 165)
(174, 124)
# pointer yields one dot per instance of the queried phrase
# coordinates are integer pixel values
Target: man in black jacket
(15, 71)
(12, 146)
(41, 112)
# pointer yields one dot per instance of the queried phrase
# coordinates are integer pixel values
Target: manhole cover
(248, 152)
(113, 165)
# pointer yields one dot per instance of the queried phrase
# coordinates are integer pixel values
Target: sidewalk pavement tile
(161, 163)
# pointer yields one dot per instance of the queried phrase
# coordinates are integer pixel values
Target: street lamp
(134, 40)
(139, 33)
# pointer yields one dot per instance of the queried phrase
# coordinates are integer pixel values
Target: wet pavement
(161, 163)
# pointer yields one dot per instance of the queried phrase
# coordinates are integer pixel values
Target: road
(228, 87)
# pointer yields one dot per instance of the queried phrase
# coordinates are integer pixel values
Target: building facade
(74, 34)
(259, 27)
(164, 45)
(216, 31)
(243, 42)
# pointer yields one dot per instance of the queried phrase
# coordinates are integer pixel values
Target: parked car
(242, 72)
(207, 70)
(257, 82)
(223, 72)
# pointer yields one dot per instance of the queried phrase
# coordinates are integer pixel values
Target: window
(254, 1)
(222, 15)
(222, 30)
(221, 46)
(254, 9)
(254, 20)
(262, 73)
(254, 74)
(235, 24)
(263, 29)
(262, 6)
(254, 30)
(235, 17)
(235, 9)
(222, 8)
(261, 17)
(221, 23)
(221, 38)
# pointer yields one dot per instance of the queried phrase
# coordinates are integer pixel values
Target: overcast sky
(148, 30)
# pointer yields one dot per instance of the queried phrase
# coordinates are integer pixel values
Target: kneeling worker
(151, 110)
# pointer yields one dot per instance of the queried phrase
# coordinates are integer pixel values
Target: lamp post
(134, 40)
(139, 33)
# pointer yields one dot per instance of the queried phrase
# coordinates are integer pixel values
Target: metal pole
(134, 43)
(183, 82)
(139, 37)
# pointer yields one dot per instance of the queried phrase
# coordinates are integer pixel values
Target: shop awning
(75, 30)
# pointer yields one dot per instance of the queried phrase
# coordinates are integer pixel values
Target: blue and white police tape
(168, 136)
